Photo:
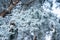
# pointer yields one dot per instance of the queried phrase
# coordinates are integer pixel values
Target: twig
(35, 37)
(9, 8)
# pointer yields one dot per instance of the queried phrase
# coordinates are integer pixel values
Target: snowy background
(40, 19)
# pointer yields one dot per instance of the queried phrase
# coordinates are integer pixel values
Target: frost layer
(33, 21)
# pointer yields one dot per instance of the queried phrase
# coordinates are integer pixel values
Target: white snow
(57, 12)
(49, 35)
(30, 19)
(54, 9)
